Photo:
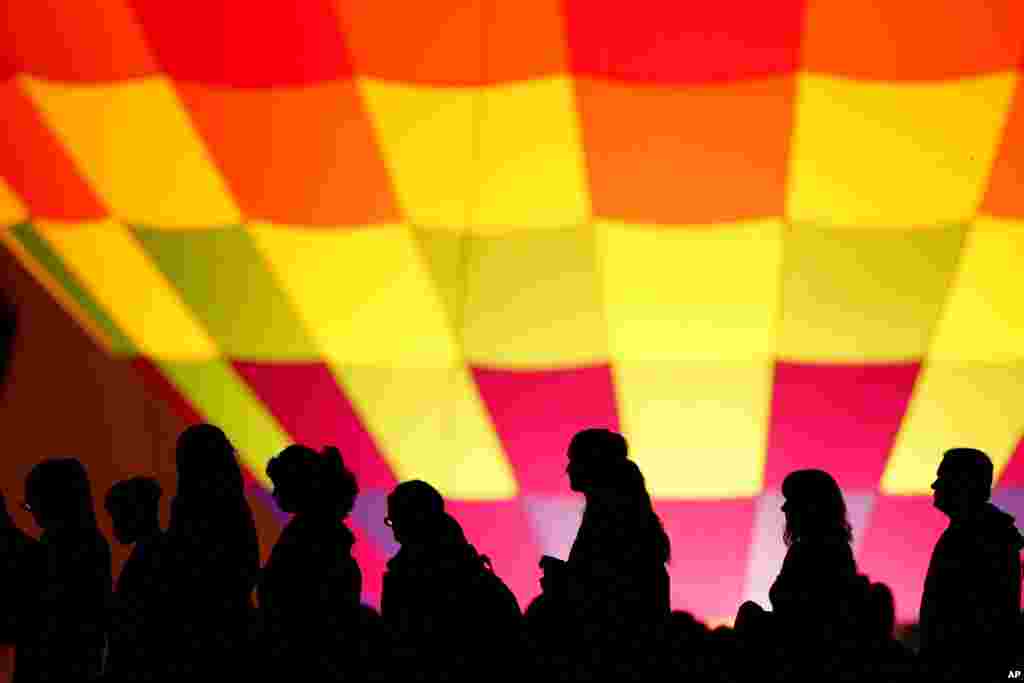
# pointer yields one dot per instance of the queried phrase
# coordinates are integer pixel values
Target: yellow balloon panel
(672, 294)
(697, 429)
(884, 154)
(418, 127)
(531, 168)
(141, 301)
(365, 294)
(864, 295)
(533, 300)
(983, 318)
(137, 147)
(955, 405)
(431, 425)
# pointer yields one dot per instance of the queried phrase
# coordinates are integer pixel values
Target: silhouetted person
(140, 597)
(972, 590)
(612, 594)
(817, 598)
(19, 554)
(885, 657)
(212, 558)
(19, 567)
(448, 615)
(66, 624)
(309, 590)
(723, 654)
(688, 645)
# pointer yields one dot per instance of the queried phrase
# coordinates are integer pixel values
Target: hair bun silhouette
(320, 481)
(338, 482)
(332, 465)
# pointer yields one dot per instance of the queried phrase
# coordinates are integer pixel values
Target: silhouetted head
(814, 507)
(206, 463)
(963, 482)
(594, 457)
(883, 610)
(309, 482)
(723, 638)
(415, 511)
(134, 508)
(58, 495)
(293, 472)
(687, 627)
(535, 608)
(600, 468)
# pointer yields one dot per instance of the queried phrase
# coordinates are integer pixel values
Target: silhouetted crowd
(183, 607)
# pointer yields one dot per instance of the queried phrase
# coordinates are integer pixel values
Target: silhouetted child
(140, 599)
(722, 658)
(972, 591)
(885, 657)
(65, 629)
(309, 590)
(212, 559)
(688, 644)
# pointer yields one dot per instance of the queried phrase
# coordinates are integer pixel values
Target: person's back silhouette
(885, 657)
(67, 622)
(140, 599)
(212, 558)
(972, 590)
(310, 588)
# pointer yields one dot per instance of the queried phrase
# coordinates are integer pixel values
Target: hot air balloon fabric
(445, 235)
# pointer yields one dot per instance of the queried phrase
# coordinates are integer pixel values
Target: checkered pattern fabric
(445, 235)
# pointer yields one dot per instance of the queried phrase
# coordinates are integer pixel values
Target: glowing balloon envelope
(444, 236)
